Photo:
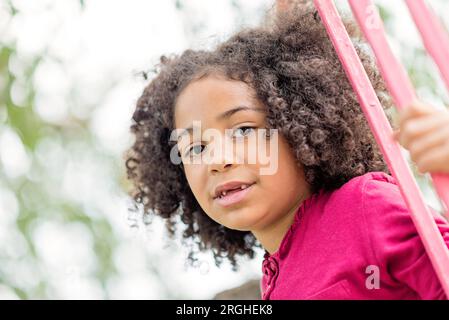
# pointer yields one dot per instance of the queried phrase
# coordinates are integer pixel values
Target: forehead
(208, 97)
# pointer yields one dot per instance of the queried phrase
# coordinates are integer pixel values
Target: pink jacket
(356, 242)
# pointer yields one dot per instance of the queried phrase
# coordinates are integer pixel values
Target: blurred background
(70, 74)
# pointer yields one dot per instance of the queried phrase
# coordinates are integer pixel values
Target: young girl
(330, 218)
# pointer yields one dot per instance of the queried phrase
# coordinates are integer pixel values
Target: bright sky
(96, 53)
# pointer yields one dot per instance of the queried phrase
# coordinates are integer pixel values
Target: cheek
(289, 175)
(197, 180)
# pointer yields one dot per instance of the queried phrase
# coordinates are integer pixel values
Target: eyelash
(193, 146)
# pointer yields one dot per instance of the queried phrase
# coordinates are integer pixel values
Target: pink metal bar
(380, 126)
(434, 36)
(394, 74)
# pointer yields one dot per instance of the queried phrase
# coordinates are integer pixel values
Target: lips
(233, 197)
(230, 187)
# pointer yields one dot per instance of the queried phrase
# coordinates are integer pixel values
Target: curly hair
(294, 70)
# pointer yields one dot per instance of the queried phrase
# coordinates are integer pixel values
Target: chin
(240, 224)
(240, 219)
(239, 228)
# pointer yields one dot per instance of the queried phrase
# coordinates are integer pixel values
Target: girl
(330, 218)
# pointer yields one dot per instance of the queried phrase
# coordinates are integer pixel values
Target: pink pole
(394, 74)
(434, 36)
(380, 126)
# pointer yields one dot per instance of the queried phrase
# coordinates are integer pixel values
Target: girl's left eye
(243, 131)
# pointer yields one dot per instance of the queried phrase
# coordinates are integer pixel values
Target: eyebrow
(225, 115)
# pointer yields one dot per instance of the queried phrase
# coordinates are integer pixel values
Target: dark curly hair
(294, 70)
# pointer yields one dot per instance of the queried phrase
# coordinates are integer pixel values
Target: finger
(395, 135)
(423, 144)
(415, 128)
(416, 109)
(435, 160)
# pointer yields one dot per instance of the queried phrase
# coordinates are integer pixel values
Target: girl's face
(207, 103)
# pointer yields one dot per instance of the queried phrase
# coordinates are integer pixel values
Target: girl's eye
(239, 132)
(195, 148)
(243, 131)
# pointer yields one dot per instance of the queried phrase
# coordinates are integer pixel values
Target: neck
(271, 236)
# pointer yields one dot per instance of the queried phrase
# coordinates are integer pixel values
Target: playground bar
(380, 126)
(395, 76)
(434, 36)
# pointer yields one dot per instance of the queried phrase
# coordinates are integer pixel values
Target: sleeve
(395, 240)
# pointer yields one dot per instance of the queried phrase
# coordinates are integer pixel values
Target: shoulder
(371, 187)
(361, 196)
(376, 179)
(371, 201)
(378, 194)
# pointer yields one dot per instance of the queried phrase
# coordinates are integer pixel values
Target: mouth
(232, 196)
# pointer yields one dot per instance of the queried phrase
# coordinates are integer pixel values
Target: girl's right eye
(194, 148)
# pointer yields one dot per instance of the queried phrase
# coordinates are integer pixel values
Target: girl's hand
(424, 131)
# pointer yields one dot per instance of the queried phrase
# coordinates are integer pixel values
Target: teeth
(223, 193)
(243, 186)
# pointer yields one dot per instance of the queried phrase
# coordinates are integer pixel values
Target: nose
(221, 164)
(223, 158)
(215, 168)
